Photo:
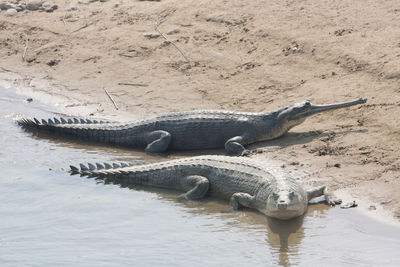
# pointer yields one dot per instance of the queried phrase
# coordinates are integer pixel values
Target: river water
(50, 218)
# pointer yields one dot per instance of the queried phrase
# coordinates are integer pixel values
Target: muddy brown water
(50, 218)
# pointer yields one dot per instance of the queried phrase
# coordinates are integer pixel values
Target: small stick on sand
(83, 27)
(125, 55)
(109, 96)
(134, 84)
(63, 19)
(26, 48)
(180, 51)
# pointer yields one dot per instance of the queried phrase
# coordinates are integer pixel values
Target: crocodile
(246, 182)
(189, 130)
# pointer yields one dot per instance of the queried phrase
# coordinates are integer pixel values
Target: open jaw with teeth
(245, 182)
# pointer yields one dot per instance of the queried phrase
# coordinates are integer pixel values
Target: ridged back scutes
(204, 114)
(227, 164)
(196, 116)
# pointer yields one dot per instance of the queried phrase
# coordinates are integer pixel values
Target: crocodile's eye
(275, 196)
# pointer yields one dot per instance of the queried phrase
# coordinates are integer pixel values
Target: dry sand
(239, 55)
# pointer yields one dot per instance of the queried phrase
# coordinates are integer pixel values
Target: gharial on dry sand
(202, 129)
(246, 182)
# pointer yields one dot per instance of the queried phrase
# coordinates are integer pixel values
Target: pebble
(11, 12)
(151, 35)
(34, 5)
(50, 8)
(52, 63)
(72, 7)
(20, 8)
(173, 31)
(5, 5)
(349, 205)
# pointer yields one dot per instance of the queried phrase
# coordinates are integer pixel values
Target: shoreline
(248, 57)
(40, 89)
(379, 214)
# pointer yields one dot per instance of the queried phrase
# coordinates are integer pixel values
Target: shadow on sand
(300, 138)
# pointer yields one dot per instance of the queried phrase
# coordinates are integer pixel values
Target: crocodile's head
(285, 205)
(296, 114)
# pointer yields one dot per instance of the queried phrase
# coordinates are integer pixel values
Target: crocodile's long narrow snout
(320, 108)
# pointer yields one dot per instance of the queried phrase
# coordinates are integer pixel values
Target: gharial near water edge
(189, 130)
(245, 182)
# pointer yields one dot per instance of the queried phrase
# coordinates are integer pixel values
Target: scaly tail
(86, 129)
(56, 122)
(122, 174)
(99, 169)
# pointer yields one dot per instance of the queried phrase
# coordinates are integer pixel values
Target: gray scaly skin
(245, 182)
(202, 129)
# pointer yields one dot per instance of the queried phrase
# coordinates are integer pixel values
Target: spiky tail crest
(50, 123)
(97, 168)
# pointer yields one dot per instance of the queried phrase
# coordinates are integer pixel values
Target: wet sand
(243, 56)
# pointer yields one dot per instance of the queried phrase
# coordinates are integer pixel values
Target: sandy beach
(161, 56)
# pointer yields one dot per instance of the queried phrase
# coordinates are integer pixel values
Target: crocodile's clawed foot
(254, 151)
(241, 153)
(181, 198)
(245, 153)
(334, 202)
(235, 205)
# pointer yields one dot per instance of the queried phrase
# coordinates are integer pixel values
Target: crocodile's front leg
(242, 200)
(158, 141)
(199, 186)
(330, 199)
(234, 146)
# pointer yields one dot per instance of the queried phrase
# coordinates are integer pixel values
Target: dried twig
(109, 96)
(5, 70)
(180, 51)
(26, 48)
(134, 84)
(63, 19)
(83, 27)
(126, 55)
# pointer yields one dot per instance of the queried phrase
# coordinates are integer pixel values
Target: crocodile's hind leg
(330, 199)
(199, 186)
(242, 199)
(234, 146)
(158, 141)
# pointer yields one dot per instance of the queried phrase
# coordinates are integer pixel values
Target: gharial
(202, 129)
(246, 182)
